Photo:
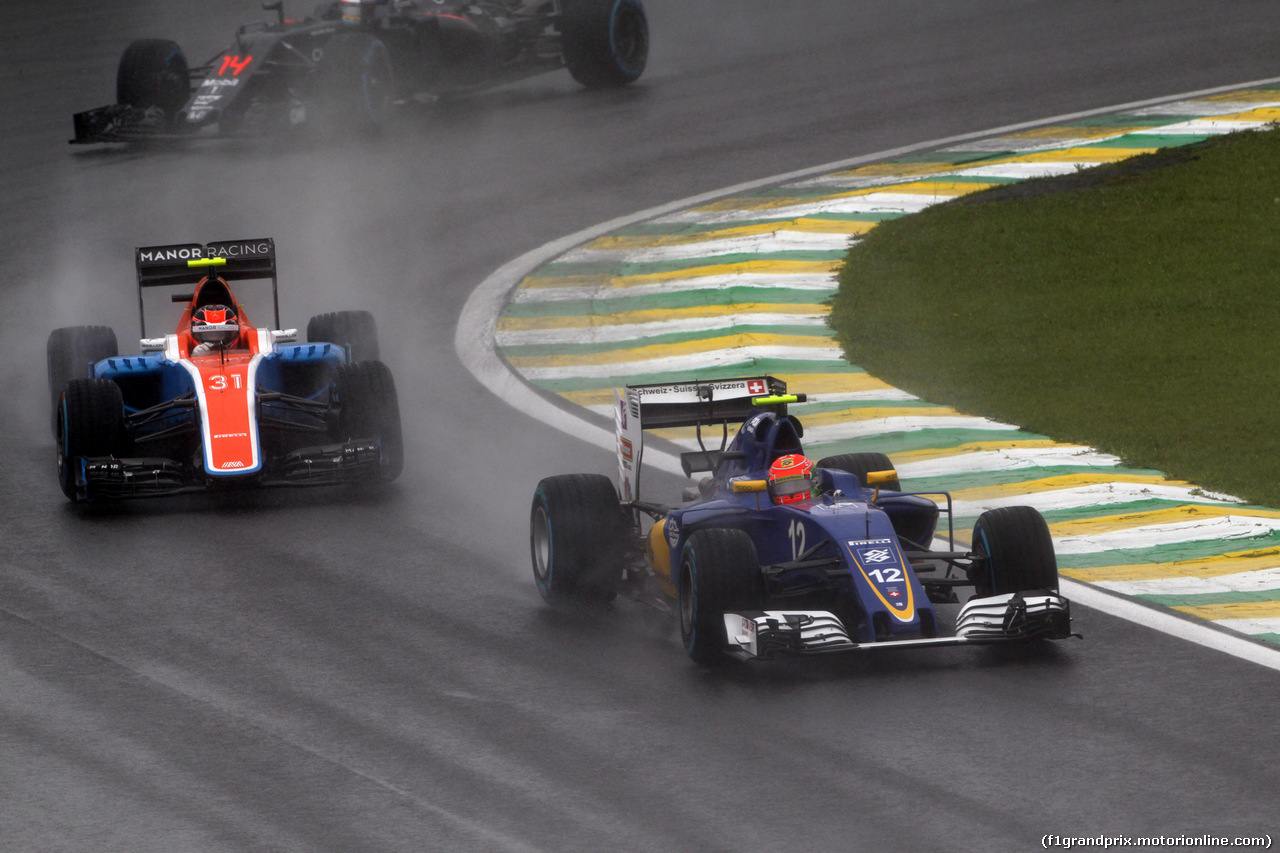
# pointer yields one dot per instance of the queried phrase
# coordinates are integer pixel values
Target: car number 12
(888, 575)
(796, 534)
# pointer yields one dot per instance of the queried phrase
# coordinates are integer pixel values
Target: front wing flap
(1018, 616)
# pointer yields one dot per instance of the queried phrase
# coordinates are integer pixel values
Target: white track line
(1185, 628)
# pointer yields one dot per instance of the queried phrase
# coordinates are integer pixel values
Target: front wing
(122, 123)
(144, 477)
(1041, 614)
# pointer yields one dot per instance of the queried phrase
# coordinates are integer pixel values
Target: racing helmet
(357, 11)
(792, 479)
(215, 325)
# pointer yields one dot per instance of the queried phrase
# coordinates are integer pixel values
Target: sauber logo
(232, 465)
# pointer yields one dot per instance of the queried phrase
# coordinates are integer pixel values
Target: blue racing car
(220, 402)
(771, 553)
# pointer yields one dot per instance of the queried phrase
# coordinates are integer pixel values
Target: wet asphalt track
(329, 671)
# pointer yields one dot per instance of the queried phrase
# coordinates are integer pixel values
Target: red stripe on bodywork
(229, 409)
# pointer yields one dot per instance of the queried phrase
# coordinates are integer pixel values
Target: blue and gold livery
(753, 574)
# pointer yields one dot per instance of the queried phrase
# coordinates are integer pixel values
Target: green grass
(1134, 308)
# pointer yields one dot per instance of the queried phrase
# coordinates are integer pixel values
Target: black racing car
(349, 62)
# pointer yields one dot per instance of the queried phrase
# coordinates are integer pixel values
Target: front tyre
(70, 351)
(369, 408)
(605, 42)
(356, 84)
(153, 73)
(577, 534)
(354, 330)
(719, 573)
(90, 423)
(860, 465)
(1013, 552)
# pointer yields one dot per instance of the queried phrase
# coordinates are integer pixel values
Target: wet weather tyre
(862, 464)
(369, 408)
(577, 536)
(355, 84)
(1013, 552)
(69, 352)
(153, 73)
(90, 423)
(605, 42)
(719, 572)
(355, 330)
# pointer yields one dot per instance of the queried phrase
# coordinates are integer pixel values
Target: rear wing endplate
(188, 263)
(681, 404)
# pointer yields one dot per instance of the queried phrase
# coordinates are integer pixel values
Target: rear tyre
(605, 42)
(153, 73)
(1013, 551)
(89, 423)
(355, 330)
(719, 572)
(861, 464)
(355, 84)
(369, 408)
(577, 536)
(69, 352)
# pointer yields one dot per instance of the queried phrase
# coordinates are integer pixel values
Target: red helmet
(215, 325)
(792, 479)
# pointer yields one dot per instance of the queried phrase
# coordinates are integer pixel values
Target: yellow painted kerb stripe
(929, 453)
(803, 224)
(1124, 521)
(1241, 610)
(1066, 481)
(724, 342)
(742, 268)
(1203, 567)
(808, 383)
(588, 321)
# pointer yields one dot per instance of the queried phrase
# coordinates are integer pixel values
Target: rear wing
(682, 404)
(188, 263)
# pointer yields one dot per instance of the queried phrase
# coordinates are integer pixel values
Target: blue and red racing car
(220, 402)
(773, 554)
